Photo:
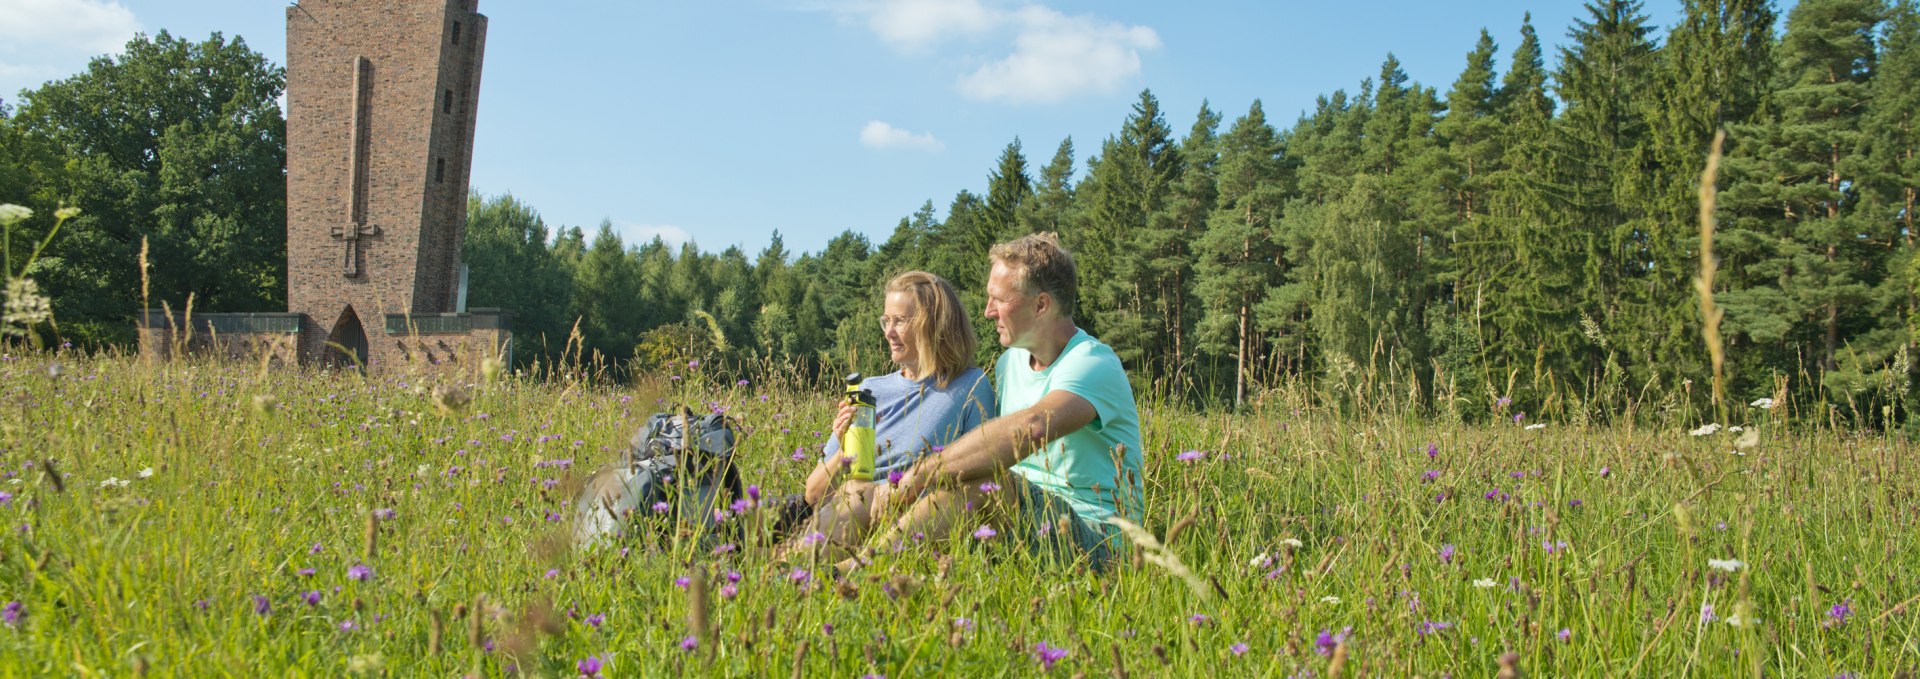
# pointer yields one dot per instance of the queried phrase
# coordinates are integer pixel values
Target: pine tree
(1051, 207)
(1800, 250)
(1472, 135)
(1238, 256)
(1007, 189)
(1125, 184)
(605, 288)
(1169, 258)
(1894, 125)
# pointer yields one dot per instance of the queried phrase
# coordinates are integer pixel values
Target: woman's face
(900, 312)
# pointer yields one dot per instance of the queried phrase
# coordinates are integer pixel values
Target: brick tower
(381, 97)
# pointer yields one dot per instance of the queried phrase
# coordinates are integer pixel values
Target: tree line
(1529, 236)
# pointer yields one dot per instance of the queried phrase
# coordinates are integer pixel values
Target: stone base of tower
(400, 343)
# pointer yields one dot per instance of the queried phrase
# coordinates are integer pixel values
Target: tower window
(456, 32)
(439, 170)
(446, 102)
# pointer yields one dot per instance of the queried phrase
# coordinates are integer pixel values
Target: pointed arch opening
(347, 343)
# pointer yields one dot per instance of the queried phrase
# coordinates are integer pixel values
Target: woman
(937, 395)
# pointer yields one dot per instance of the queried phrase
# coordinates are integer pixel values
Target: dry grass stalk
(1710, 315)
(1158, 555)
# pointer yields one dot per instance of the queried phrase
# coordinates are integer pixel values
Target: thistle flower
(12, 613)
(800, 576)
(1839, 613)
(1446, 553)
(589, 666)
(1566, 635)
(312, 597)
(689, 643)
(359, 572)
(1431, 475)
(261, 606)
(1238, 649)
(595, 620)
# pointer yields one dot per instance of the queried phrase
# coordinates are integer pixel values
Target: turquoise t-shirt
(1081, 467)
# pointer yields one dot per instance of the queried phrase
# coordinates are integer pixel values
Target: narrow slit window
(439, 170)
(446, 102)
(456, 32)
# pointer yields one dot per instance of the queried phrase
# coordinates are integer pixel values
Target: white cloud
(915, 25)
(45, 39)
(1031, 54)
(641, 234)
(1057, 57)
(879, 135)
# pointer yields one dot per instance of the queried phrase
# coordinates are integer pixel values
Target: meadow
(205, 519)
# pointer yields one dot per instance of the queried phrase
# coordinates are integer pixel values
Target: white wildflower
(1762, 403)
(1539, 425)
(1736, 429)
(1291, 542)
(1728, 565)
(115, 482)
(1485, 583)
(1262, 561)
(1706, 429)
(146, 473)
(66, 213)
(1329, 599)
(13, 214)
(25, 307)
(1738, 620)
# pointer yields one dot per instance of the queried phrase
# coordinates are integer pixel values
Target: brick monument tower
(380, 102)
(380, 116)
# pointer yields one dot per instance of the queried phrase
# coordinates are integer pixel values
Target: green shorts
(1054, 531)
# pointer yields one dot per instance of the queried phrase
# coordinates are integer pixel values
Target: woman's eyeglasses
(890, 322)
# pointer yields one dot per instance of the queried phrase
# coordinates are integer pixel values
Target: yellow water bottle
(858, 446)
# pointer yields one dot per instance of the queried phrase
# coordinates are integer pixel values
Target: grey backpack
(679, 467)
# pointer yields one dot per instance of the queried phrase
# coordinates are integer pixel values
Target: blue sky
(723, 121)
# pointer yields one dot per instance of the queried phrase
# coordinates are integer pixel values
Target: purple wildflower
(989, 487)
(1706, 613)
(1446, 553)
(261, 606)
(826, 628)
(1048, 654)
(661, 507)
(753, 493)
(740, 383)
(799, 576)
(1606, 471)
(984, 532)
(893, 477)
(312, 597)
(305, 572)
(733, 576)
(347, 626)
(1433, 451)
(1839, 613)
(1431, 475)
(1566, 635)
(1199, 619)
(682, 582)
(1327, 641)
(5, 497)
(1238, 649)
(689, 643)
(589, 666)
(729, 590)
(552, 573)
(359, 572)
(384, 514)
(1432, 626)
(595, 620)
(11, 614)
(315, 549)
(1190, 456)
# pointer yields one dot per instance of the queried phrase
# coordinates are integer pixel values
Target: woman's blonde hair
(941, 331)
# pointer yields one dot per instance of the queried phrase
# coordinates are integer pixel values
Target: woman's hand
(842, 421)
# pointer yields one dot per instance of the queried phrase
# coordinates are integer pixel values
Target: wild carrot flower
(1485, 583)
(1762, 403)
(1706, 429)
(1728, 565)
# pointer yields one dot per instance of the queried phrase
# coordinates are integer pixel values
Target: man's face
(1013, 310)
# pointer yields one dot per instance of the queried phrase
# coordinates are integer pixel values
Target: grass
(1430, 548)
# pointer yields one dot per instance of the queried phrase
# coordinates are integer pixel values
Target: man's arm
(1000, 443)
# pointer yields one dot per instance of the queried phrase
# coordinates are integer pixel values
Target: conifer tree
(1125, 184)
(1051, 208)
(1238, 256)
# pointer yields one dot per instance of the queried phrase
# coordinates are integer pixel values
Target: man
(1068, 430)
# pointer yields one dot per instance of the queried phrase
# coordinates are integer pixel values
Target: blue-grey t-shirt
(911, 417)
